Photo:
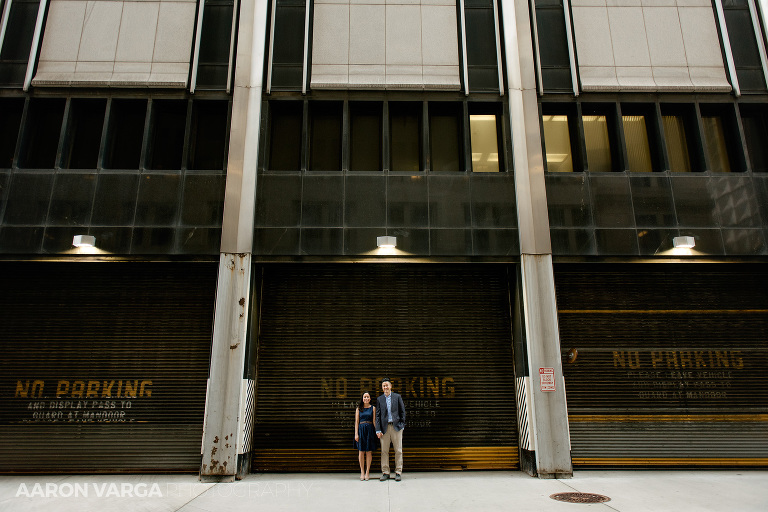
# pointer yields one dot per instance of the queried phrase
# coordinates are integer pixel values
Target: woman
(365, 434)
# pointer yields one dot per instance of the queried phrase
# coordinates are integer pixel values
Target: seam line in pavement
(576, 490)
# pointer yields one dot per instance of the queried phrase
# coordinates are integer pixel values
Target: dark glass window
(482, 66)
(721, 140)
(115, 200)
(203, 200)
(288, 47)
(717, 149)
(125, 134)
(365, 136)
(445, 140)
(86, 122)
(41, 133)
(285, 135)
(755, 122)
(554, 57)
(169, 118)
(325, 135)
(10, 123)
(208, 135)
(746, 56)
(19, 32)
(215, 39)
(405, 136)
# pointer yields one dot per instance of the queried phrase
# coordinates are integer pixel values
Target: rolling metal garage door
(104, 365)
(665, 364)
(441, 333)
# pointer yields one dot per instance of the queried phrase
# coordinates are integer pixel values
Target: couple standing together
(386, 421)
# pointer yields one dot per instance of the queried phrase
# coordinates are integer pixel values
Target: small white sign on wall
(547, 379)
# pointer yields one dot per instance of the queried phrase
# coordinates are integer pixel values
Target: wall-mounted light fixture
(683, 242)
(386, 242)
(84, 241)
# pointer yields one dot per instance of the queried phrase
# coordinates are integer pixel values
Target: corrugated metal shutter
(671, 365)
(441, 333)
(104, 365)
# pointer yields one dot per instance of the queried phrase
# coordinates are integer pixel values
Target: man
(390, 421)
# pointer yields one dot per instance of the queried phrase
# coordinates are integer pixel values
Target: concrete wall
(648, 45)
(117, 43)
(399, 44)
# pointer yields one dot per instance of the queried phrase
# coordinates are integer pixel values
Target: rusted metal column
(223, 425)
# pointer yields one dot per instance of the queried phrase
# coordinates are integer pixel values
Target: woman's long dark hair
(361, 405)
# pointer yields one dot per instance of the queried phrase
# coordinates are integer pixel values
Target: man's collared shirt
(389, 408)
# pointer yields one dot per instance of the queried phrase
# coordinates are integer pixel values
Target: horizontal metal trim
(669, 461)
(660, 311)
(689, 418)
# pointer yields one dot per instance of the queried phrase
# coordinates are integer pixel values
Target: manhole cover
(580, 497)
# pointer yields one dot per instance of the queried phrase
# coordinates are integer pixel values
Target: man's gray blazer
(398, 412)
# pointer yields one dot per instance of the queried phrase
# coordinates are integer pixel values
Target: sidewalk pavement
(469, 491)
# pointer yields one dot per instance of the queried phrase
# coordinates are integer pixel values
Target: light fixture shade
(684, 242)
(386, 241)
(84, 241)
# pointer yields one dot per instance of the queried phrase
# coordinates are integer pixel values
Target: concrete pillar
(547, 414)
(223, 422)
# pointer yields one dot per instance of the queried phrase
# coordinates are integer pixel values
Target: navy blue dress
(366, 432)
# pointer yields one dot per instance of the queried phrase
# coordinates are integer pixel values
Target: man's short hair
(386, 379)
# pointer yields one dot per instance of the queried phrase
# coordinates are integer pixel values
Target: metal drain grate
(580, 497)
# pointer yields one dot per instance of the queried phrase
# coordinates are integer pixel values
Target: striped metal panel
(665, 364)
(106, 362)
(523, 426)
(441, 333)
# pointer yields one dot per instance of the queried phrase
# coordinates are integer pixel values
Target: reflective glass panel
(557, 140)
(714, 136)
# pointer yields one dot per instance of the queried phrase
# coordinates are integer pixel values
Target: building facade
(545, 221)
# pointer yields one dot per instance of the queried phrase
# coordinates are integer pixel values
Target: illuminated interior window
(557, 140)
(598, 143)
(677, 145)
(638, 149)
(485, 144)
(714, 136)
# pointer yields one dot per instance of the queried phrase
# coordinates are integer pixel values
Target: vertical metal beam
(196, 52)
(4, 22)
(727, 47)
(537, 53)
(35, 44)
(464, 48)
(305, 70)
(759, 37)
(498, 47)
(223, 419)
(571, 47)
(232, 32)
(268, 85)
(548, 413)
